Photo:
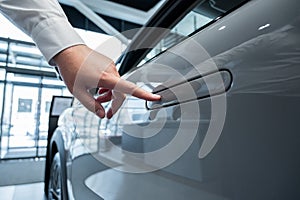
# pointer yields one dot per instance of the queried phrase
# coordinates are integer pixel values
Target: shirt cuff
(54, 35)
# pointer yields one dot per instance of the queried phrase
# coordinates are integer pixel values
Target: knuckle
(105, 76)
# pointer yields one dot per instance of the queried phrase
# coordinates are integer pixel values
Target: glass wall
(27, 84)
(2, 77)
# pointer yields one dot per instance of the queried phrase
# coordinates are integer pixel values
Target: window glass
(27, 56)
(19, 121)
(3, 46)
(201, 15)
(2, 74)
(52, 81)
(66, 92)
(45, 104)
(2, 128)
(3, 49)
(22, 55)
(1, 99)
(22, 78)
(190, 23)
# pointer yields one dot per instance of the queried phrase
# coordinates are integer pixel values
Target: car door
(226, 126)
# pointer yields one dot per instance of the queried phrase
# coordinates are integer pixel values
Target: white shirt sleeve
(45, 22)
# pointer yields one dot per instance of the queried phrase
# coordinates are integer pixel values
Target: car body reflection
(239, 144)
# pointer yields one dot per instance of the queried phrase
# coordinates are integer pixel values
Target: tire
(55, 186)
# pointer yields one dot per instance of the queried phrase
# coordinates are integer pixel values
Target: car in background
(227, 125)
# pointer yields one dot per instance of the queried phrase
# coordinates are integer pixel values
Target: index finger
(128, 87)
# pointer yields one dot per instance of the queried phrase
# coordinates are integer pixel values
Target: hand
(83, 69)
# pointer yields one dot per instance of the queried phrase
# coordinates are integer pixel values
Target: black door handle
(195, 88)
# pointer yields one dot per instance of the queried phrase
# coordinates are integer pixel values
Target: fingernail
(156, 96)
(109, 114)
(99, 113)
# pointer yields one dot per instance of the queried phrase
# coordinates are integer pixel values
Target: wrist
(70, 55)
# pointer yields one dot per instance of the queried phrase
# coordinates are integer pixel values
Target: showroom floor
(22, 179)
(32, 191)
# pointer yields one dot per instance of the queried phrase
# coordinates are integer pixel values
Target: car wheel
(55, 179)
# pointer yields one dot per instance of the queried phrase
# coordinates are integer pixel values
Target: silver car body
(236, 138)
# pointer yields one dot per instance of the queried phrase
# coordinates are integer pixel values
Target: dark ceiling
(144, 5)
(78, 20)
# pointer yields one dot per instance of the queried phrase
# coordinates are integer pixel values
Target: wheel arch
(56, 145)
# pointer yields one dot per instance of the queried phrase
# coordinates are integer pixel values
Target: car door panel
(240, 143)
(243, 162)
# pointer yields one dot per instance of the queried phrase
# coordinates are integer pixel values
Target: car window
(203, 13)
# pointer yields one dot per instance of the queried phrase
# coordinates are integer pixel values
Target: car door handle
(195, 88)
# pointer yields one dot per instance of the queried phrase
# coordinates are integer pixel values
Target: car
(227, 124)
